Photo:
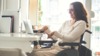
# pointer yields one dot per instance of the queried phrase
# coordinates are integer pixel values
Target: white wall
(23, 12)
(0, 6)
(11, 7)
(17, 8)
(24, 9)
(88, 36)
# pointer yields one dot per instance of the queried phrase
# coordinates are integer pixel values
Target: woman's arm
(74, 34)
(51, 34)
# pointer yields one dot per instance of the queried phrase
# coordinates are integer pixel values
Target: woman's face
(71, 12)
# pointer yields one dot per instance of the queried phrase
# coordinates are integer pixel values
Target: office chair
(82, 50)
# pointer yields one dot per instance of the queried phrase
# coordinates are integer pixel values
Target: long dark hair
(80, 12)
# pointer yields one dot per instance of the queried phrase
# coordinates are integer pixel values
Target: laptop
(29, 29)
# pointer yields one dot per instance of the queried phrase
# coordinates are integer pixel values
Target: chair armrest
(60, 44)
(72, 43)
(41, 42)
(69, 44)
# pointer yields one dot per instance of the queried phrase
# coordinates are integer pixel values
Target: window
(95, 27)
(54, 12)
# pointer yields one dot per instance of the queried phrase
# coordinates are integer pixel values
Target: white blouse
(69, 33)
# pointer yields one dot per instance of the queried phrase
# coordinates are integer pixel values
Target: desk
(17, 40)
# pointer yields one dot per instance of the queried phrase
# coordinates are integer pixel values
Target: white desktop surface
(17, 40)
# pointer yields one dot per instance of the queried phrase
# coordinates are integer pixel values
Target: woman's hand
(50, 34)
(43, 29)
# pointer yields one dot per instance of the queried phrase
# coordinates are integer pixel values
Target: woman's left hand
(51, 34)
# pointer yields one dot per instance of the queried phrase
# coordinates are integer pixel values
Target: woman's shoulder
(81, 21)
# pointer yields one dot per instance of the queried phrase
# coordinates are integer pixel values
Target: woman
(70, 31)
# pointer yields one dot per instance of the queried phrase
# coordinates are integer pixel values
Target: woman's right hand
(50, 34)
(43, 29)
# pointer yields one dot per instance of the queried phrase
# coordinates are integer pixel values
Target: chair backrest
(84, 51)
(81, 40)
